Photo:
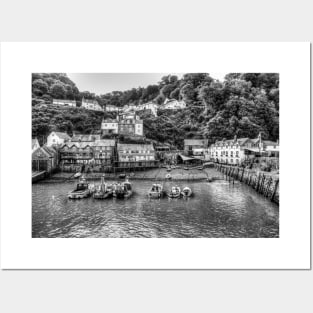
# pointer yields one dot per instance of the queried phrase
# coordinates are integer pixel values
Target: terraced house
(130, 124)
(135, 156)
(235, 151)
(91, 105)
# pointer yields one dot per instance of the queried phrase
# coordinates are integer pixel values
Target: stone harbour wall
(264, 183)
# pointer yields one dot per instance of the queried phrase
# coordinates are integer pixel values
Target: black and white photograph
(155, 155)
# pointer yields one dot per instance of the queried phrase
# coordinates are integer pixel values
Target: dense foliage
(242, 105)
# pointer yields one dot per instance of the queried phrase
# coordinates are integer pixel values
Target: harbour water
(217, 209)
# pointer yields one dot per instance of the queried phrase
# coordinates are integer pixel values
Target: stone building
(132, 156)
(195, 147)
(130, 124)
(109, 127)
(237, 150)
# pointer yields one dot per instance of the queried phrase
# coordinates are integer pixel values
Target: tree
(40, 87)
(58, 91)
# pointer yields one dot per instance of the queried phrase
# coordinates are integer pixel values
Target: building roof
(79, 145)
(85, 138)
(64, 136)
(134, 146)
(195, 142)
(64, 100)
(50, 150)
(34, 142)
(41, 153)
(185, 158)
(240, 141)
(109, 120)
(270, 143)
(93, 101)
(104, 143)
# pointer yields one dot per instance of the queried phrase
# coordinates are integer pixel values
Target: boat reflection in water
(217, 209)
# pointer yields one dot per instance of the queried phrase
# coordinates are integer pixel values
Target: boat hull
(101, 196)
(79, 194)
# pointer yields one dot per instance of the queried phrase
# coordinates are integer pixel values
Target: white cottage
(57, 138)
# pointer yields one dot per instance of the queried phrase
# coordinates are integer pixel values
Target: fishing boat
(156, 191)
(186, 168)
(104, 190)
(169, 169)
(175, 192)
(82, 190)
(123, 175)
(123, 190)
(187, 192)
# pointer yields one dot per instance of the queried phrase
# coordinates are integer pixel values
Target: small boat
(173, 167)
(168, 176)
(123, 175)
(103, 191)
(82, 190)
(175, 192)
(187, 192)
(123, 190)
(200, 168)
(77, 175)
(168, 169)
(156, 191)
(186, 168)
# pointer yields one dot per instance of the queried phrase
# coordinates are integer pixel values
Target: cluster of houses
(169, 104)
(97, 151)
(120, 144)
(86, 103)
(126, 124)
(234, 151)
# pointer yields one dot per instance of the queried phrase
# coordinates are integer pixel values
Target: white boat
(123, 190)
(175, 192)
(156, 191)
(103, 191)
(187, 192)
(77, 175)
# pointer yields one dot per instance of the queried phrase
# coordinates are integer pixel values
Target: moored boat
(77, 175)
(123, 190)
(168, 176)
(82, 190)
(175, 192)
(156, 191)
(187, 192)
(104, 190)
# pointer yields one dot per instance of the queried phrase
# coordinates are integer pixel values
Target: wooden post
(243, 171)
(258, 184)
(275, 189)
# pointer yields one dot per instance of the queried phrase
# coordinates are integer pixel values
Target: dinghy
(187, 192)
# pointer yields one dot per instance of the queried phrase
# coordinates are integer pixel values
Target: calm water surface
(217, 209)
